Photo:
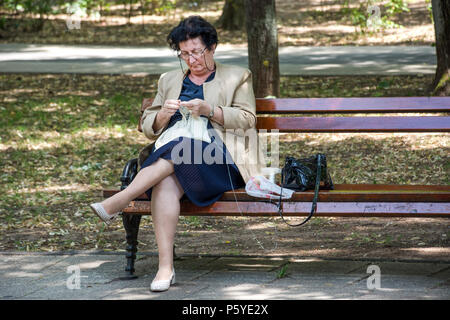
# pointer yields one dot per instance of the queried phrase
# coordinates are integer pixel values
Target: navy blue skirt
(203, 183)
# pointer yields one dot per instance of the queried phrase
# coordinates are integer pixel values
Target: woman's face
(195, 55)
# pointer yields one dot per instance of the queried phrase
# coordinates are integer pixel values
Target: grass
(66, 137)
(282, 273)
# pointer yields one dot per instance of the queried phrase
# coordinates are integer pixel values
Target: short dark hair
(190, 28)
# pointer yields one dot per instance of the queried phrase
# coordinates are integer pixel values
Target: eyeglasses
(196, 54)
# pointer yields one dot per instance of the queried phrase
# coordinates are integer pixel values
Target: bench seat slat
(355, 124)
(350, 196)
(350, 193)
(349, 105)
(342, 209)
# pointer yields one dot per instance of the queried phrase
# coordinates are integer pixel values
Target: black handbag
(305, 174)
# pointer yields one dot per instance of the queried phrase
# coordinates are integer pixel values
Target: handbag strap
(316, 195)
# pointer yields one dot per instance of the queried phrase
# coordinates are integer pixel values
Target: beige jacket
(232, 91)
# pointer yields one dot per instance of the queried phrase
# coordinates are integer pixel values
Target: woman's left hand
(197, 107)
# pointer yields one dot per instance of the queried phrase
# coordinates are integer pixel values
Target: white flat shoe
(101, 212)
(163, 285)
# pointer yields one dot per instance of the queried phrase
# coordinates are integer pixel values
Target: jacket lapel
(175, 86)
(212, 89)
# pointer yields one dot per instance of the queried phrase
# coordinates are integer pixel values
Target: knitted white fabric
(189, 127)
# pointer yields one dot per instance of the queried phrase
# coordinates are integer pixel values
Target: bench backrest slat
(350, 105)
(355, 124)
(267, 107)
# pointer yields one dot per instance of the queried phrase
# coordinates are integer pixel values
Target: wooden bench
(346, 200)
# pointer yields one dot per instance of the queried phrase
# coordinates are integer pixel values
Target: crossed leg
(144, 180)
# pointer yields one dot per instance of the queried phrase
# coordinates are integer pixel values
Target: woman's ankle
(111, 208)
(116, 203)
(164, 273)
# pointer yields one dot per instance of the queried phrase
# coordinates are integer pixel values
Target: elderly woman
(219, 96)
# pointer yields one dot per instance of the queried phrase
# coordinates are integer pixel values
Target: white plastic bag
(261, 187)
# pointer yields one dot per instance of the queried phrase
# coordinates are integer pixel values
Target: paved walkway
(344, 60)
(53, 276)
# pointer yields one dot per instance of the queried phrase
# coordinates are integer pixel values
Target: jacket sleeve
(149, 115)
(242, 112)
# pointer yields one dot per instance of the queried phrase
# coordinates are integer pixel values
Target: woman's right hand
(163, 115)
(170, 107)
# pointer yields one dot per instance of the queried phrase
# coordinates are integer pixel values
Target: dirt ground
(49, 211)
(424, 239)
(352, 238)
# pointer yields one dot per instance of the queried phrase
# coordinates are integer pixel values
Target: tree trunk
(233, 16)
(130, 10)
(143, 10)
(441, 17)
(263, 47)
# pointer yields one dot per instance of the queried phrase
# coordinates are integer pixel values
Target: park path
(343, 60)
(98, 275)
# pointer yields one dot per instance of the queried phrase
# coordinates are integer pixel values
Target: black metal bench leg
(131, 224)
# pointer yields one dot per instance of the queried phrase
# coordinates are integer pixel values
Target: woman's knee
(165, 166)
(168, 187)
